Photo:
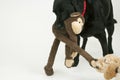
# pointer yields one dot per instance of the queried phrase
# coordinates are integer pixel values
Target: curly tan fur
(108, 65)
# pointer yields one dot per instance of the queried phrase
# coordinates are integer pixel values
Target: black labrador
(98, 17)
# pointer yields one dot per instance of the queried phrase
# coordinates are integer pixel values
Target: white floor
(26, 38)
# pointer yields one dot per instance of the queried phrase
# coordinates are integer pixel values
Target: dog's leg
(103, 41)
(84, 43)
(110, 27)
(48, 68)
(110, 30)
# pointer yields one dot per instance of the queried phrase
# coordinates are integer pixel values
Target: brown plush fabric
(67, 36)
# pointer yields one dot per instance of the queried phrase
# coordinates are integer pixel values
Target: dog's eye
(104, 60)
(97, 67)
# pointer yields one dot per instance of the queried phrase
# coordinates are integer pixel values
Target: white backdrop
(26, 38)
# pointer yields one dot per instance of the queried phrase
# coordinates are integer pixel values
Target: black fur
(63, 9)
(98, 16)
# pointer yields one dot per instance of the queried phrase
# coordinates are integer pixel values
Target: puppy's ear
(110, 71)
(117, 70)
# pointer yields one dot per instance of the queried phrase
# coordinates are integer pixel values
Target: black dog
(98, 16)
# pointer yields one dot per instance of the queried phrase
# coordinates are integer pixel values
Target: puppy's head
(99, 65)
(102, 63)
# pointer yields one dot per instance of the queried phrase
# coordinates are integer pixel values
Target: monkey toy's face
(77, 25)
(76, 21)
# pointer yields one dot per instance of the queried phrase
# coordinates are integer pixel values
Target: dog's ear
(117, 69)
(110, 71)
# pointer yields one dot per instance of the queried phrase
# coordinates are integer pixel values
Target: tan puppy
(109, 65)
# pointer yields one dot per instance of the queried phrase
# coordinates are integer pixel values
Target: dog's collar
(84, 8)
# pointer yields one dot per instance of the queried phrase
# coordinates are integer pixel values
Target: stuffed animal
(109, 65)
(73, 26)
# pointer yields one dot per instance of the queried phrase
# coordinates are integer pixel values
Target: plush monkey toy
(73, 26)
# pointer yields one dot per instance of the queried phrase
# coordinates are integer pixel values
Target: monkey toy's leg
(48, 68)
(68, 59)
(70, 53)
(72, 45)
(76, 57)
(61, 36)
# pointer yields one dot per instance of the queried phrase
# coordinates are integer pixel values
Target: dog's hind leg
(110, 27)
(103, 41)
(110, 30)
(84, 43)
